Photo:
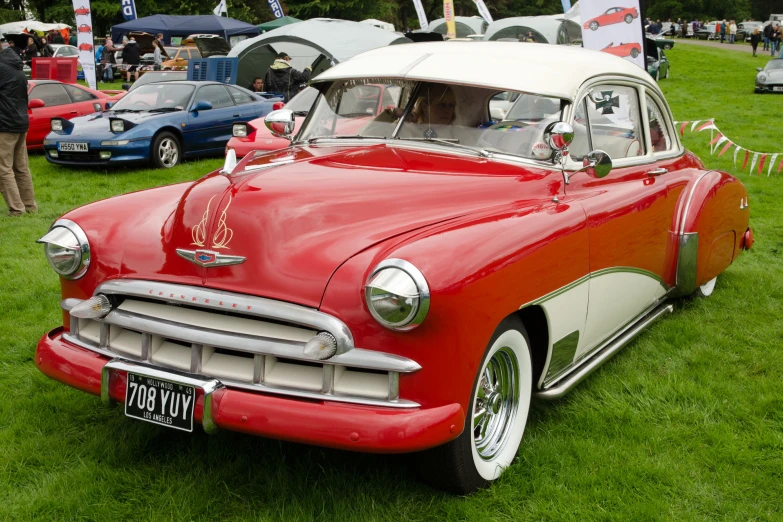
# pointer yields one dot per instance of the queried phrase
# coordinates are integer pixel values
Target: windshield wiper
(316, 138)
(453, 143)
(126, 110)
(300, 113)
(165, 109)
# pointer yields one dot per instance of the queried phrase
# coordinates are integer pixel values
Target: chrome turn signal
(93, 308)
(321, 347)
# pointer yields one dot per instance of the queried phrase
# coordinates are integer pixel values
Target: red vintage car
(52, 99)
(630, 49)
(408, 286)
(81, 10)
(614, 15)
(370, 102)
(85, 47)
(84, 28)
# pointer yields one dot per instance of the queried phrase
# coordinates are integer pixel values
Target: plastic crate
(217, 69)
(62, 69)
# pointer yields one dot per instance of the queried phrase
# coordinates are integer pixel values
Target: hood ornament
(208, 258)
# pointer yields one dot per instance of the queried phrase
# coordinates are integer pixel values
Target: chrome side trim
(238, 303)
(687, 260)
(209, 386)
(563, 352)
(687, 208)
(599, 357)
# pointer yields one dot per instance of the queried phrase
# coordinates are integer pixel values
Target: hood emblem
(223, 234)
(208, 258)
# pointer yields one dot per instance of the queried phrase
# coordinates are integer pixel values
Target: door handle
(236, 115)
(657, 172)
(74, 112)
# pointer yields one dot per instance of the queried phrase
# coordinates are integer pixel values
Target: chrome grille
(244, 346)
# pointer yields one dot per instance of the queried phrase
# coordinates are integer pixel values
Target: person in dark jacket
(131, 56)
(754, 40)
(31, 51)
(58, 38)
(16, 183)
(283, 78)
(73, 39)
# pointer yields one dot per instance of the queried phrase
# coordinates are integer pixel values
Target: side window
(79, 95)
(501, 103)
(391, 95)
(240, 96)
(660, 137)
(217, 95)
(614, 121)
(51, 93)
(194, 53)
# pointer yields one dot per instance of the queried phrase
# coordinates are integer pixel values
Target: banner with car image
(614, 27)
(84, 41)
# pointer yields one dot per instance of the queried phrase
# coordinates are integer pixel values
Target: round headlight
(762, 78)
(397, 295)
(67, 249)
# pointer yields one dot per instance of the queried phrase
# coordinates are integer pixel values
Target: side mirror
(597, 163)
(759, 69)
(559, 136)
(109, 105)
(280, 123)
(126, 86)
(201, 105)
(35, 103)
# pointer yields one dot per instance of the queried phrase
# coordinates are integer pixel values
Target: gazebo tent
(545, 29)
(182, 26)
(320, 43)
(278, 22)
(380, 24)
(466, 25)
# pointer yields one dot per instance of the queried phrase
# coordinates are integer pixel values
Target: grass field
(685, 424)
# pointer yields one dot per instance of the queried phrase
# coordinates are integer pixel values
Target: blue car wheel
(165, 151)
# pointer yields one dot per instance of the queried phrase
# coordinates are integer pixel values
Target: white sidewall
(491, 469)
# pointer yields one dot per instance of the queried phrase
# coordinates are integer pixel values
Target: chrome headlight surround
(397, 295)
(762, 78)
(67, 242)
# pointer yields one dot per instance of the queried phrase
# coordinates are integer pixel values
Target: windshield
(155, 76)
(156, 96)
(171, 51)
(453, 116)
(774, 64)
(302, 102)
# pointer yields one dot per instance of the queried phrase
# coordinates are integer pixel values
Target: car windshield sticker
(430, 133)
(606, 102)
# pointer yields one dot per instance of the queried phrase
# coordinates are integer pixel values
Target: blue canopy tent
(182, 26)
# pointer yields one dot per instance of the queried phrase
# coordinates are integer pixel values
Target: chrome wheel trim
(168, 152)
(593, 26)
(707, 288)
(496, 403)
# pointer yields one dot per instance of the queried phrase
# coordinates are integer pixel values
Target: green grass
(685, 424)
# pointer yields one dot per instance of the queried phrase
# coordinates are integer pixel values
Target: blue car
(158, 123)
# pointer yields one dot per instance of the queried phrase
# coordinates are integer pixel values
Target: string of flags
(720, 141)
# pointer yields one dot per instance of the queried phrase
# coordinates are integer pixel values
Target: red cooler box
(62, 69)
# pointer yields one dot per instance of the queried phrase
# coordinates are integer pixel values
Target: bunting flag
(718, 140)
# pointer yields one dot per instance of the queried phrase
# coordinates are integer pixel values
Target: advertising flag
(566, 5)
(448, 14)
(221, 9)
(276, 8)
(614, 27)
(423, 23)
(128, 9)
(483, 11)
(84, 41)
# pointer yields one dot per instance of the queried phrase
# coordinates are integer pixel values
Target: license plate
(778, 89)
(160, 402)
(70, 146)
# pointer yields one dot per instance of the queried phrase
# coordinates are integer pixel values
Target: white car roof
(552, 70)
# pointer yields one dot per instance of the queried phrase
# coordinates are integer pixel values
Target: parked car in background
(708, 32)
(155, 76)
(661, 42)
(659, 66)
(408, 286)
(622, 50)
(770, 77)
(745, 29)
(52, 99)
(157, 123)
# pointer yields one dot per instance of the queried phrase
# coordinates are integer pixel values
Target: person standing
(722, 28)
(257, 85)
(73, 40)
(754, 39)
(732, 31)
(31, 51)
(157, 59)
(767, 33)
(58, 38)
(16, 183)
(774, 40)
(108, 59)
(131, 56)
(284, 79)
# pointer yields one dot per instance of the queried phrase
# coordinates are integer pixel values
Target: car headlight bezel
(117, 126)
(397, 295)
(67, 240)
(57, 124)
(240, 130)
(762, 78)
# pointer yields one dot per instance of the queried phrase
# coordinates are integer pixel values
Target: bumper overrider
(243, 356)
(126, 152)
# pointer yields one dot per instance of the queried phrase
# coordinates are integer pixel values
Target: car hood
(296, 215)
(774, 75)
(98, 124)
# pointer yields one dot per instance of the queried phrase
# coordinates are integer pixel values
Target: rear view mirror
(35, 103)
(597, 163)
(280, 123)
(201, 105)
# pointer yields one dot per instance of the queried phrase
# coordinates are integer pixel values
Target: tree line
(401, 13)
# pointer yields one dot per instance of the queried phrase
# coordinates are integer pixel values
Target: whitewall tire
(707, 288)
(496, 419)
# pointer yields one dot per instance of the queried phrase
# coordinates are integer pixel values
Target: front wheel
(666, 76)
(634, 53)
(593, 26)
(497, 417)
(667, 46)
(165, 150)
(628, 19)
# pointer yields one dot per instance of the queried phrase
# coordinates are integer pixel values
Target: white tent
(380, 24)
(544, 29)
(30, 25)
(465, 25)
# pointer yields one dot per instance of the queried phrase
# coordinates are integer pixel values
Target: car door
(84, 102)
(57, 103)
(211, 129)
(629, 212)
(613, 15)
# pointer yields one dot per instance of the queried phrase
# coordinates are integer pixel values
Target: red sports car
(630, 49)
(255, 136)
(614, 15)
(52, 99)
(84, 28)
(81, 11)
(408, 286)
(85, 47)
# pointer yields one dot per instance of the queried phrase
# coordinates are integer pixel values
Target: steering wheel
(494, 131)
(145, 104)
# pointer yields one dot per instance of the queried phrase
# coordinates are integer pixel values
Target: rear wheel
(594, 25)
(498, 412)
(634, 52)
(666, 76)
(707, 288)
(628, 19)
(657, 74)
(165, 150)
